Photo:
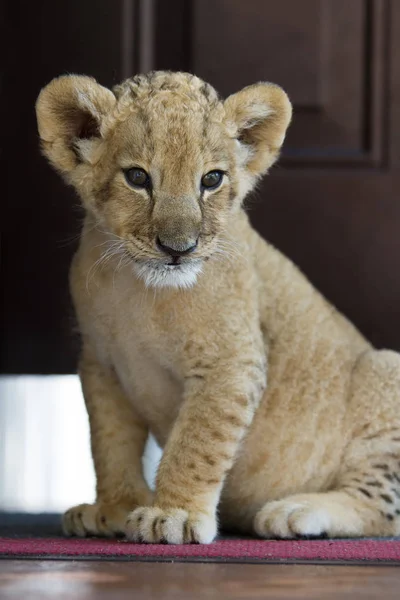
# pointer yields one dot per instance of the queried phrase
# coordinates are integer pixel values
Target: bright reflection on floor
(45, 461)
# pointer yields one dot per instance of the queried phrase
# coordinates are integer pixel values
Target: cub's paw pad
(323, 536)
(95, 519)
(289, 519)
(171, 526)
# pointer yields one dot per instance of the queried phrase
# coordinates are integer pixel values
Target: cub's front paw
(95, 519)
(170, 526)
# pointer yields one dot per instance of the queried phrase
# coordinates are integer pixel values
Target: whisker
(220, 254)
(110, 252)
(114, 235)
(123, 261)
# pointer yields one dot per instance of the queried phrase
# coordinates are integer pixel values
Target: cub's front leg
(221, 395)
(118, 437)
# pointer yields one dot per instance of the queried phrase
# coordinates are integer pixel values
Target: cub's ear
(260, 115)
(70, 111)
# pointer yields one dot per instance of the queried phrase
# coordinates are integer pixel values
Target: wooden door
(332, 202)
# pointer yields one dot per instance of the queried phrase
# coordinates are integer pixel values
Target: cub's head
(161, 163)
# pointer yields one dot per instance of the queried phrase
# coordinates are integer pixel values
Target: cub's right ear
(70, 112)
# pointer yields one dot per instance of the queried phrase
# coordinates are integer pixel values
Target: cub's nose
(176, 248)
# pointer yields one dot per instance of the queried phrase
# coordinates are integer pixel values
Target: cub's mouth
(176, 273)
(175, 261)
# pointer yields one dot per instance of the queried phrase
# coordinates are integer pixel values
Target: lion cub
(273, 411)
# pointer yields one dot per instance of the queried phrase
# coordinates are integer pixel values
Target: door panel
(327, 54)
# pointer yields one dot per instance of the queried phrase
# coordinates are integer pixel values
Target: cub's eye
(212, 179)
(137, 177)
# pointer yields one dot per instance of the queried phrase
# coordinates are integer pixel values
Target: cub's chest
(120, 312)
(142, 334)
(130, 335)
(153, 388)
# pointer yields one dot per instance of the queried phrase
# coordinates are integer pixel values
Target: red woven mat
(229, 550)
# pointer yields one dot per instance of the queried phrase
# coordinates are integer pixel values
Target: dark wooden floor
(83, 580)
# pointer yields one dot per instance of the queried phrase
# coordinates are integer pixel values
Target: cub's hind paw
(172, 526)
(331, 514)
(290, 519)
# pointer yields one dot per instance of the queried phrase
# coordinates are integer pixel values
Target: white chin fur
(161, 275)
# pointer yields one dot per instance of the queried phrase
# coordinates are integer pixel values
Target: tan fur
(273, 411)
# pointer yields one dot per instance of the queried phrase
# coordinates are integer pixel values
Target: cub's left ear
(70, 112)
(260, 115)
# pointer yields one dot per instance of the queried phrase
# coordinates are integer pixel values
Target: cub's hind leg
(117, 438)
(365, 498)
(365, 503)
